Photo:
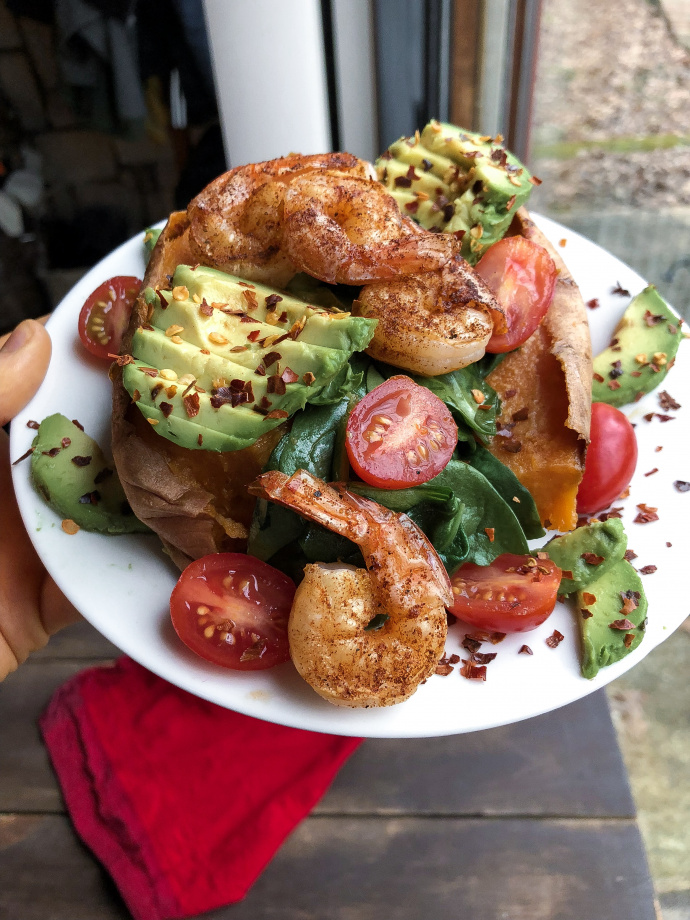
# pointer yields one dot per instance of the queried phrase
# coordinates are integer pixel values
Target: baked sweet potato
(545, 388)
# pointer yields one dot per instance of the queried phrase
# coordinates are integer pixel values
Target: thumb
(24, 360)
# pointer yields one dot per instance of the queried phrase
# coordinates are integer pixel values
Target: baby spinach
(509, 488)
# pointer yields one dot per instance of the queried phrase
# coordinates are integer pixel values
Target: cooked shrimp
(349, 230)
(431, 323)
(330, 645)
(236, 222)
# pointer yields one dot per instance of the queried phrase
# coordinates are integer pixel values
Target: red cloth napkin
(183, 802)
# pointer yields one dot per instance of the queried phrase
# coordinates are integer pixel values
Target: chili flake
(592, 558)
(623, 625)
(473, 671)
(525, 650)
(555, 639)
(593, 303)
(648, 569)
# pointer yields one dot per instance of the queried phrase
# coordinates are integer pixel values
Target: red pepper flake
(509, 394)
(630, 602)
(483, 657)
(308, 378)
(521, 415)
(413, 207)
(635, 373)
(620, 290)
(78, 424)
(588, 598)
(443, 668)
(555, 639)
(66, 442)
(525, 650)
(593, 303)
(471, 643)
(272, 300)
(665, 418)
(512, 447)
(191, 404)
(275, 384)
(490, 532)
(630, 554)
(652, 472)
(483, 636)
(260, 370)
(402, 182)
(289, 376)
(122, 360)
(586, 614)
(166, 408)
(205, 308)
(81, 461)
(669, 544)
(251, 298)
(277, 413)
(682, 486)
(271, 358)
(155, 392)
(535, 181)
(566, 573)
(628, 640)
(249, 319)
(648, 569)
(613, 385)
(646, 515)
(666, 401)
(563, 243)
(164, 302)
(23, 456)
(472, 671)
(592, 558)
(32, 424)
(622, 624)
(598, 378)
(653, 319)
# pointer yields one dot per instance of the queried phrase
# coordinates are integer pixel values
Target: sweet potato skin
(196, 501)
(547, 384)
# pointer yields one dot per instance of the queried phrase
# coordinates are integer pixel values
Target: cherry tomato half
(233, 609)
(522, 275)
(105, 315)
(399, 435)
(513, 594)
(611, 459)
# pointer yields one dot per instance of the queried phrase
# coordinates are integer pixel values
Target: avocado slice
(456, 181)
(587, 553)
(611, 609)
(641, 353)
(69, 470)
(221, 361)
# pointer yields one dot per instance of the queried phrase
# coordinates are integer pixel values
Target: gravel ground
(609, 72)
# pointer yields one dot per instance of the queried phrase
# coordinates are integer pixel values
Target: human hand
(32, 607)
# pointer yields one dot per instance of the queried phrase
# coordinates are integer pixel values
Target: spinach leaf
(315, 442)
(509, 488)
(455, 389)
(453, 510)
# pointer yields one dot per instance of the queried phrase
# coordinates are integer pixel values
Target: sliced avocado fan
(455, 181)
(221, 361)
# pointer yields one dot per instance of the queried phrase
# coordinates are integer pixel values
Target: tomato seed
(412, 458)
(227, 581)
(209, 631)
(422, 451)
(382, 420)
(202, 610)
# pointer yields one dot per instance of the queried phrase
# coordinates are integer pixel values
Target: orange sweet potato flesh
(548, 380)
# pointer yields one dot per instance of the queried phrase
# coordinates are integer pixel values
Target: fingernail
(19, 337)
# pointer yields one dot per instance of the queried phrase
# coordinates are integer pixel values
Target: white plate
(122, 584)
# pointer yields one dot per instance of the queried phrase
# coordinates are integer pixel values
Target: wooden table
(532, 821)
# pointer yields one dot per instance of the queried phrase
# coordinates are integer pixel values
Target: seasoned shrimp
(236, 222)
(349, 230)
(431, 323)
(330, 644)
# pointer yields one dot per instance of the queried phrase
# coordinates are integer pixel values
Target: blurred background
(115, 112)
(109, 112)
